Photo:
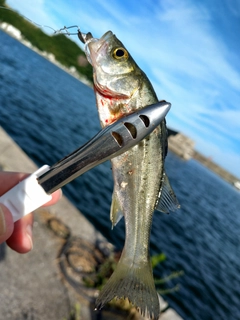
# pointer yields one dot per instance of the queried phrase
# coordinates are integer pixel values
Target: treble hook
(84, 37)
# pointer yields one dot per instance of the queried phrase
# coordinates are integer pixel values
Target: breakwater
(183, 147)
(221, 172)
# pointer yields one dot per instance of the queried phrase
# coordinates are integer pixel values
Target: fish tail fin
(135, 283)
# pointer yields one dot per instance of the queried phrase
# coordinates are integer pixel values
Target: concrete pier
(32, 285)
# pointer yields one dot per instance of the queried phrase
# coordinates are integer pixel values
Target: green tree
(65, 50)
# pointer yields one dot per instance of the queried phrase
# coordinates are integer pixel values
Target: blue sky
(190, 50)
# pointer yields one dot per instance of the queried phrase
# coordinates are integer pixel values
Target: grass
(66, 51)
(75, 313)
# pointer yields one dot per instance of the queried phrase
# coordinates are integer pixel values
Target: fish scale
(140, 181)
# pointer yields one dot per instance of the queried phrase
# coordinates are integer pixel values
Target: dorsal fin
(116, 210)
(167, 198)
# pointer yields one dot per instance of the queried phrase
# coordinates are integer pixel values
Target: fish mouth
(107, 35)
(94, 46)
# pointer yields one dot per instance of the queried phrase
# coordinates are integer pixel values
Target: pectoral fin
(167, 200)
(116, 210)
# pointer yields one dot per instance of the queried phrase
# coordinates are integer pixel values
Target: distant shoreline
(50, 57)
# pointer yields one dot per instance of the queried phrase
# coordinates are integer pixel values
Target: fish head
(116, 77)
(109, 55)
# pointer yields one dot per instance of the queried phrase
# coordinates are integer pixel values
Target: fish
(140, 181)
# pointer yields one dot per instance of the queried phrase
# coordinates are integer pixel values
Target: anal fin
(116, 210)
(167, 198)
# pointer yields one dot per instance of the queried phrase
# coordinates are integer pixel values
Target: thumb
(6, 223)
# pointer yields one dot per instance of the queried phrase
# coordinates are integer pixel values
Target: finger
(6, 223)
(10, 179)
(21, 238)
(55, 197)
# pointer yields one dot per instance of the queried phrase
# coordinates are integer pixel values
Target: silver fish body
(139, 177)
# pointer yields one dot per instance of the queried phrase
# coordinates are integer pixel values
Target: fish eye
(120, 53)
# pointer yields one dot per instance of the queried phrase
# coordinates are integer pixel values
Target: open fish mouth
(93, 46)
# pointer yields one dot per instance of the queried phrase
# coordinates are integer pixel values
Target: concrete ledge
(31, 285)
(13, 158)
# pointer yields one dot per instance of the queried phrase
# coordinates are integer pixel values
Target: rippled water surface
(50, 114)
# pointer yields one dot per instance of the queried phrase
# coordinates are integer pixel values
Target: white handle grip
(26, 196)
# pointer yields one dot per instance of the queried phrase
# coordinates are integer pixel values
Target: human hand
(18, 235)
